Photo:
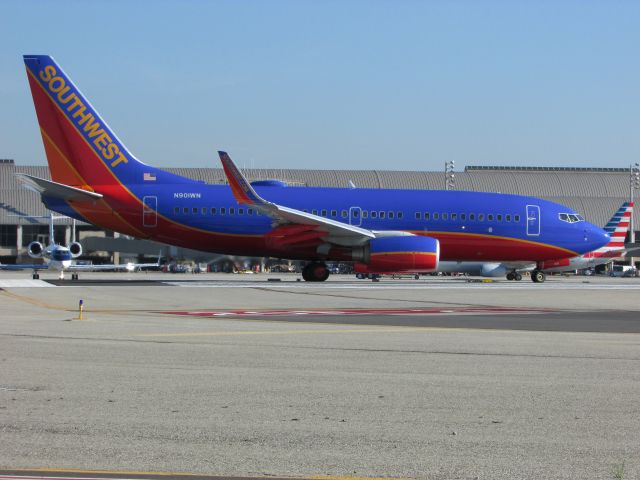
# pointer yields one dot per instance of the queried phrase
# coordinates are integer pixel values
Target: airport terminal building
(594, 192)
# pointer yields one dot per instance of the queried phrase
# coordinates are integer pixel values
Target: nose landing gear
(315, 272)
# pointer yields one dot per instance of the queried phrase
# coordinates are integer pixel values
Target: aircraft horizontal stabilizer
(48, 188)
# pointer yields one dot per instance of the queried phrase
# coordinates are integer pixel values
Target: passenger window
(418, 215)
(241, 211)
(334, 213)
(185, 210)
(203, 210)
(355, 213)
(222, 211)
(390, 215)
(463, 216)
(490, 217)
(381, 215)
(213, 210)
(516, 218)
(427, 215)
(176, 210)
(454, 216)
(507, 218)
(249, 211)
(194, 210)
(436, 216)
(472, 216)
(374, 214)
(314, 211)
(481, 217)
(399, 215)
(232, 211)
(499, 218)
(324, 213)
(445, 216)
(365, 214)
(343, 214)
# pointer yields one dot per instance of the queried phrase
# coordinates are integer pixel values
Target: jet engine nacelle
(35, 249)
(75, 249)
(493, 270)
(409, 254)
(563, 262)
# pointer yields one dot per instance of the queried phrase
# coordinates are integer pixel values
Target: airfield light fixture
(449, 175)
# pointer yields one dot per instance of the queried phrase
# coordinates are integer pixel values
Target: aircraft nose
(595, 237)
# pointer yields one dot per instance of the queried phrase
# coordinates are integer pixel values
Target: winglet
(241, 188)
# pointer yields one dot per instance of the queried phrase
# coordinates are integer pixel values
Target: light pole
(634, 184)
(449, 176)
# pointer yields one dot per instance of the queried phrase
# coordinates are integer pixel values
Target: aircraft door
(149, 211)
(533, 220)
(355, 216)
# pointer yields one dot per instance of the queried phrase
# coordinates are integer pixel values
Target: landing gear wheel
(517, 277)
(416, 276)
(511, 276)
(74, 276)
(537, 276)
(36, 276)
(315, 272)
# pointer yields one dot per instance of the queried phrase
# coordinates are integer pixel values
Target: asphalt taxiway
(234, 376)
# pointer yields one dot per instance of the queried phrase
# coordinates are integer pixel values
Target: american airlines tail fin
(81, 148)
(617, 228)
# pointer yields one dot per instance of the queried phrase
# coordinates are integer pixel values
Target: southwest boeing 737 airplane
(97, 180)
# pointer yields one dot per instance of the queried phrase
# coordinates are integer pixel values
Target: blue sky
(403, 85)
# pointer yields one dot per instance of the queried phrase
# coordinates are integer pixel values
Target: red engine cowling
(35, 249)
(410, 254)
(563, 262)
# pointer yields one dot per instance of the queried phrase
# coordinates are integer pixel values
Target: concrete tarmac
(443, 393)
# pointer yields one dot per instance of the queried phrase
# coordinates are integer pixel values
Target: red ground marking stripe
(355, 311)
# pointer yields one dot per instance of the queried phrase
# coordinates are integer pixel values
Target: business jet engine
(408, 254)
(493, 270)
(75, 249)
(35, 249)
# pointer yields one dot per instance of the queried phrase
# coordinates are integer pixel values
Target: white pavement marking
(24, 284)
(407, 286)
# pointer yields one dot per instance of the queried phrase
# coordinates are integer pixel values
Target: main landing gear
(315, 272)
(538, 276)
(514, 276)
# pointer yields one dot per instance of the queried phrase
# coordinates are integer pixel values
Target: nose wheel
(315, 272)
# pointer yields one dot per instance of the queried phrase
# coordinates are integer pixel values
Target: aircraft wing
(35, 266)
(113, 266)
(55, 189)
(310, 226)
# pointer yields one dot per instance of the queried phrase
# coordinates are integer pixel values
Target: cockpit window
(570, 217)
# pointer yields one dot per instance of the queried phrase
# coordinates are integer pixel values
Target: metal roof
(596, 193)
